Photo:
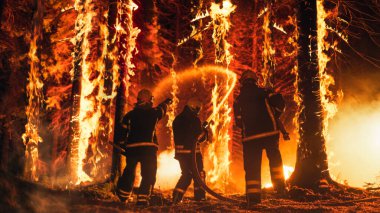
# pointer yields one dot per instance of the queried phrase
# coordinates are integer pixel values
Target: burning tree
(120, 46)
(317, 100)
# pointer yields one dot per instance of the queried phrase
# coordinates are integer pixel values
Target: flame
(268, 51)
(88, 117)
(126, 35)
(219, 14)
(296, 95)
(168, 171)
(328, 97)
(218, 150)
(173, 106)
(35, 95)
(199, 37)
(288, 170)
(169, 174)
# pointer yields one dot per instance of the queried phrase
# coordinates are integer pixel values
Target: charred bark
(74, 134)
(311, 164)
(120, 101)
(254, 35)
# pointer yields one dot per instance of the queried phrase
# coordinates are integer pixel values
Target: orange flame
(268, 51)
(168, 176)
(288, 170)
(168, 171)
(35, 95)
(88, 119)
(173, 106)
(328, 97)
(124, 27)
(218, 150)
(297, 95)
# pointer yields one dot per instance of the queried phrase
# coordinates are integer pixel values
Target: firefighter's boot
(123, 196)
(142, 200)
(253, 200)
(177, 196)
(199, 193)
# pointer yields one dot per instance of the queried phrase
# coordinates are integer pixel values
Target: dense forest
(70, 70)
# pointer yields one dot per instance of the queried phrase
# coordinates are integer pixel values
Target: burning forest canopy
(71, 69)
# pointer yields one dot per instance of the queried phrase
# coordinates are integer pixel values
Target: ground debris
(22, 196)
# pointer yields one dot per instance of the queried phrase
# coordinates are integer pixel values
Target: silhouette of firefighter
(187, 128)
(257, 112)
(141, 146)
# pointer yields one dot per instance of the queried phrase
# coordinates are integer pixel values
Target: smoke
(21, 196)
(354, 145)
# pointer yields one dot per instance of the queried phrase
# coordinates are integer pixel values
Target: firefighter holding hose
(187, 128)
(257, 113)
(141, 146)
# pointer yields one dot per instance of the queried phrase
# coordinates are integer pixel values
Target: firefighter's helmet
(145, 96)
(248, 75)
(194, 104)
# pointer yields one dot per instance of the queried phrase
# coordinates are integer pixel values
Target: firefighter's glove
(168, 101)
(205, 125)
(122, 143)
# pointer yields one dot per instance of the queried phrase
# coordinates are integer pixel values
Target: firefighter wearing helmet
(141, 146)
(257, 113)
(187, 128)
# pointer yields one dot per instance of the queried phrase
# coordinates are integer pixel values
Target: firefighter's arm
(204, 136)
(277, 103)
(163, 106)
(124, 130)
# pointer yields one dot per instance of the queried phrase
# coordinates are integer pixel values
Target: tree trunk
(120, 101)
(311, 164)
(34, 91)
(74, 133)
(254, 36)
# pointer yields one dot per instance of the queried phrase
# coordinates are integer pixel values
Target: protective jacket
(257, 111)
(186, 129)
(141, 147)
(140, 124)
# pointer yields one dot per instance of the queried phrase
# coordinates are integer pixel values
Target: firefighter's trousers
(184, 181)
(252, 151)
(148, 162)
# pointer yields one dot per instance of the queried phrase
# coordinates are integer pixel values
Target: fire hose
(200, 181)
(194, 167)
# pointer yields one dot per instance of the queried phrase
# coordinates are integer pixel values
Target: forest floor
(21, 196)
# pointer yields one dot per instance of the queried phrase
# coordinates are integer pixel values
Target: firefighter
(187, 128)
(141, 146)
(257, 113)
